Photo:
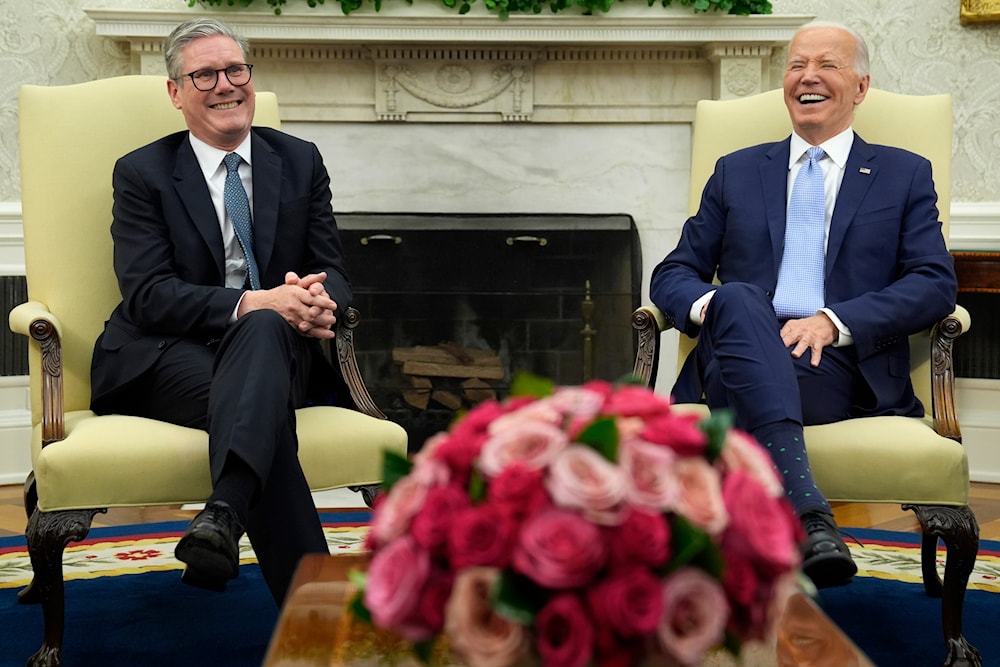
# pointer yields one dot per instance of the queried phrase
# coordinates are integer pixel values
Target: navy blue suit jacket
(168, 249)
(888, 270)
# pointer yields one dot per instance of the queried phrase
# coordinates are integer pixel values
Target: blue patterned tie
(800, 279)
(239, 212)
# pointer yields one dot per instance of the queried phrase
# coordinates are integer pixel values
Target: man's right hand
(303, 302)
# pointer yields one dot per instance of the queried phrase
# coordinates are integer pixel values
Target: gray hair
(861, 62)
(187, 32)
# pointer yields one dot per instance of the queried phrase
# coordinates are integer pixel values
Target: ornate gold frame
(979, 11)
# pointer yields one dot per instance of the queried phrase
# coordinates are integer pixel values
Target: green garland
(503, 8)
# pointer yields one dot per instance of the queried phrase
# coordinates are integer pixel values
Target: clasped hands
(303, 302)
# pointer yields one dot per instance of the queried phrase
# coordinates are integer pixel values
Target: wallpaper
(918, 47)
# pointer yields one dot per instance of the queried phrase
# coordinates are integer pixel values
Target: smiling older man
(230, 269)
(828, 253)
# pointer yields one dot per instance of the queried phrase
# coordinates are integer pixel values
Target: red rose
(761, 528)
(559, 549)
(636, 401)
(518, 491)
(427, 617)
(678, 431)
(643, 538)
(396, 577)
(480, 535)
(629, 601)
(432, 524)
(565, 633)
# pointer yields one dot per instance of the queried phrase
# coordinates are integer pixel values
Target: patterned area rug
(885, 610)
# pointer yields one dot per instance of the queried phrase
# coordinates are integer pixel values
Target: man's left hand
(810, 333)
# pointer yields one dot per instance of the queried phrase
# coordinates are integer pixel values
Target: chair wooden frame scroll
(917, 463)
(70, 137)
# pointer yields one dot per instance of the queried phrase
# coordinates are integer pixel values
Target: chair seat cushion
(132, 461)
(884, 460)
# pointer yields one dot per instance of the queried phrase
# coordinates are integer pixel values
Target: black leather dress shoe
(210, 547)
(825, 558)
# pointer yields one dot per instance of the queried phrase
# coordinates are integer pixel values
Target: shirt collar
(837, 148)
(210, 158)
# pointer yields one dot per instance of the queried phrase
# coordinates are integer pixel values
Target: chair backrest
(70, 138)
(919, 123)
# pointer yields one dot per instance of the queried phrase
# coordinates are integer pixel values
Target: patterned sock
(786, 445)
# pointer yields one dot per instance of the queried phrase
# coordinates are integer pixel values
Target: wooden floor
(984, 500)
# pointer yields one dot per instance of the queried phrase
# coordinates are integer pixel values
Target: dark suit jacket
(888, 271)
(168, 252)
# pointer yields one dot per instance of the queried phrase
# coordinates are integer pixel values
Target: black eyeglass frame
(224, 70)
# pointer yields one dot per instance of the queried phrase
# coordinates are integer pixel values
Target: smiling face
(822, 84)
(220, 117)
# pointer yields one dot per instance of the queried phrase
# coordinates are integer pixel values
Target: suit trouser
(744, 365)
(244, 392)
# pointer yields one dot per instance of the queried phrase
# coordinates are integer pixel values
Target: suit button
(162, 344)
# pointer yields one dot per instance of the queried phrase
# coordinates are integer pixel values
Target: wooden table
(312, 626)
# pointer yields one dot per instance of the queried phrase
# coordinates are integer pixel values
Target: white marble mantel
(424, 64)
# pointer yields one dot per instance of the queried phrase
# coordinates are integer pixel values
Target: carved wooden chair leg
(368, 493)
(958, 529)
(47, 534)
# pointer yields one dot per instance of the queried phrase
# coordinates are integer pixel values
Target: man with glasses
(231, 272)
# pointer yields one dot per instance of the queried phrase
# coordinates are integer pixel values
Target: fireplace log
(448, 399)
(419, 396)
(476, 391)
(449, 361)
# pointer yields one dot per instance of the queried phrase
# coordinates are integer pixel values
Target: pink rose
(538, 411)
(579, 406)
(643, 538)
(649, 474)
(695, 614)
(396, 576)
(461, 446)
(532, 443)
(392, 517)
(432, 523)
(679, 431)
(559, 549)
(479, 636)
(426, 619)
(762, 529)
(580, 478)
(565, 632)
(636, 401)
(700, 498)
(742, 452)
(629, 601)
(518, 491)
(480, 535)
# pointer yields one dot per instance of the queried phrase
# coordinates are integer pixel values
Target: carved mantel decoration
(429, 66)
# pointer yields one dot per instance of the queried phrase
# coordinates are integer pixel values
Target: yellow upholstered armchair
(70, 137)
(918, 463)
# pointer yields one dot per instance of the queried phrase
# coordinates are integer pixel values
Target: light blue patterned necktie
(238, 208)
(800, 279)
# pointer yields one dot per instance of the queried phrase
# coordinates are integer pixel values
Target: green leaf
(602, 435)
(477, 486)
(523, 382)
(686, 542)
(394, 468)
(516, 597)
(715, 427)
(359, 610)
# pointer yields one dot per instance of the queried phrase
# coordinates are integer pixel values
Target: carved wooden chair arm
(34, 319)
(649, 322)
(943, 335)
(348, 363)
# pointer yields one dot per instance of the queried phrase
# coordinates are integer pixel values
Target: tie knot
(232, 162)
(815, 153)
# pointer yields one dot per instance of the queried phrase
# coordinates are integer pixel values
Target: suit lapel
(266, 191)
(189, 183)
(860, 173)
(774, 180)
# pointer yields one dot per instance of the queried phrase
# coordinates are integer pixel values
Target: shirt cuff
(845, 339)
(232, 317)
(695, 313)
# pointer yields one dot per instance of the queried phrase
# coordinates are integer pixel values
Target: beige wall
(918, 46)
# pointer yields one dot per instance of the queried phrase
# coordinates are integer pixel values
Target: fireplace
(453, 305)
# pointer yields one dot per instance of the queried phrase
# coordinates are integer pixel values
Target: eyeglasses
(206, 79)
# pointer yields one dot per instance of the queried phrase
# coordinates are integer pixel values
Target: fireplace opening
(453, 305)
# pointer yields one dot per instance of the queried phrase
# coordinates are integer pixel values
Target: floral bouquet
(588, 525)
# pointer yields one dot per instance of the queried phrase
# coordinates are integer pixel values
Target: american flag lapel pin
(865, 170)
